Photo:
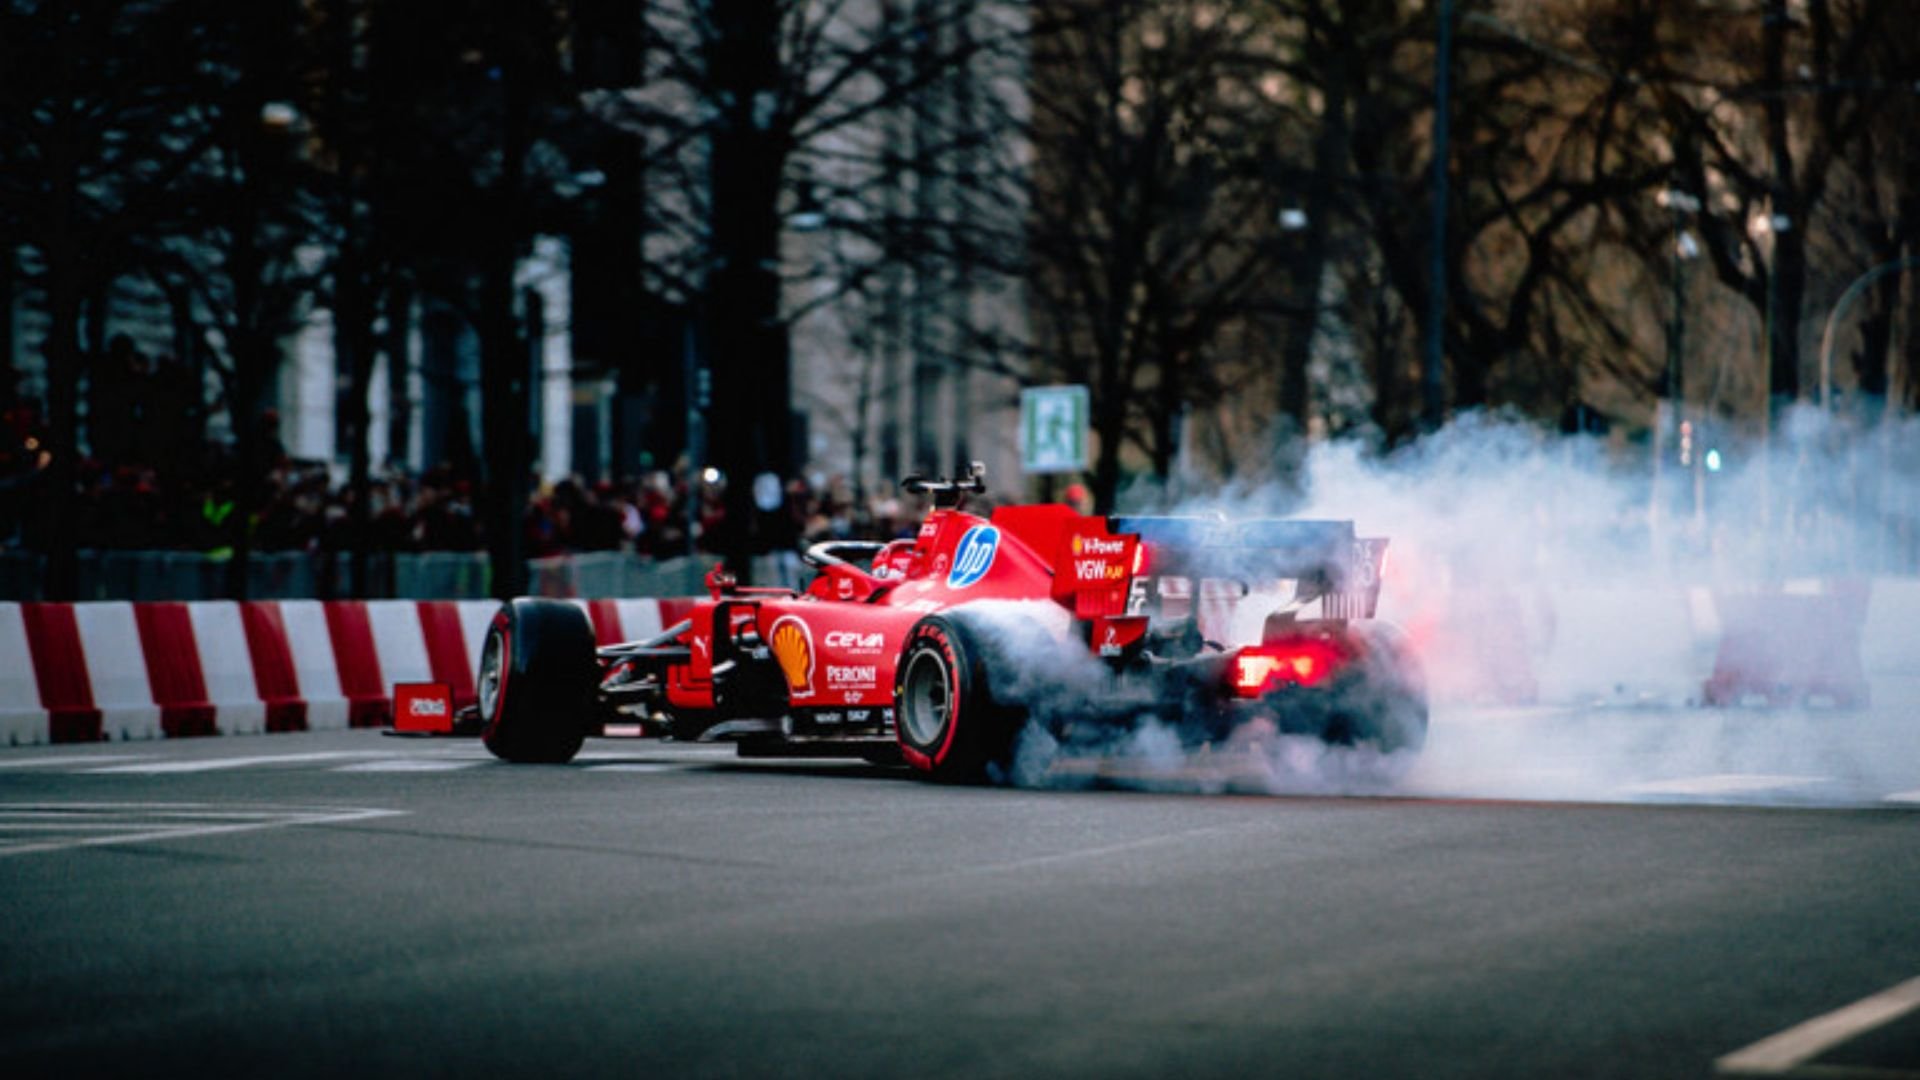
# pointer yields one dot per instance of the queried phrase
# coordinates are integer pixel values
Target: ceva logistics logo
(974, 556)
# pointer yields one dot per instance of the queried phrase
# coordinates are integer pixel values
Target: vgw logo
(974, 557)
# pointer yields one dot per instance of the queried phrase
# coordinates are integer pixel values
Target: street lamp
(1840, 307)
(1672, 409)
(1764, 229)
(1681, 203)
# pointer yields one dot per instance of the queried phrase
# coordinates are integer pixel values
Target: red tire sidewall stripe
(504, 627)
(917, 758)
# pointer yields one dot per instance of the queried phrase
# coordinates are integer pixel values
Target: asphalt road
(345, 903)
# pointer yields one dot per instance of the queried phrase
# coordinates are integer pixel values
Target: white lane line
(1722, 784)
(411, 765)
(211, 810)
(10, 825)
(657, 749)
(267, 817)
(639, 766)
(70, 759)
(1776, 1055)
(213, 764)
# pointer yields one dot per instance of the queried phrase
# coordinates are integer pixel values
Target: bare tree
(1766, 142)
(755, 111)
(1157, 187)
(105, 124)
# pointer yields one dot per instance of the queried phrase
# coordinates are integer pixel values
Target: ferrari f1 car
(941, 650)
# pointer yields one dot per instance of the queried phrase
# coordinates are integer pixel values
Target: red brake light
(1303, 662)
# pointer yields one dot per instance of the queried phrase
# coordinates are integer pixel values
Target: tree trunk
(63, 253)
(1787, 272)
(505, 386)
(1330, 154)
(9, 275)
(63, 394)
(399, 304)
(751, 415)
(353, 345)
(248, 475)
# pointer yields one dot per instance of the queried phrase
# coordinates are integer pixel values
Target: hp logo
(974, 556)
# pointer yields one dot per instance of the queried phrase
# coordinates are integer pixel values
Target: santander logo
(426, 706)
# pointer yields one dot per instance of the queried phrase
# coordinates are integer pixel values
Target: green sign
(1053, 429)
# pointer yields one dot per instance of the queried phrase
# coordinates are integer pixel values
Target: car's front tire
(537, 681)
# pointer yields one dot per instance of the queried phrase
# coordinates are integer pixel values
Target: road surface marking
(214, 764)
(639, 766)
(1778, 1055)
(188, 820)
(71, 759)
(407, 765)
(1722, 784)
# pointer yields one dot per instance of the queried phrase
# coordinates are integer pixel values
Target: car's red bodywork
(837, 642)
(886, 653)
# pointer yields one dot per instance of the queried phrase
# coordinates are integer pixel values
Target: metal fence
(294, 575)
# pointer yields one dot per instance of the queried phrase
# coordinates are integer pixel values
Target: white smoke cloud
(1568, 623)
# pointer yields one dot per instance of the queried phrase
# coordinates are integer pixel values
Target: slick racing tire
(1385, 704)
(948, 723)
(538, 678)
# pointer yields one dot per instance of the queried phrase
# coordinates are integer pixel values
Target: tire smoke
(1569, 608)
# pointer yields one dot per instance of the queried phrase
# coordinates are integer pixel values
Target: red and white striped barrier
(116, 670)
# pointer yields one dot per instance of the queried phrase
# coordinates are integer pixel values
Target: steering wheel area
(843, 566)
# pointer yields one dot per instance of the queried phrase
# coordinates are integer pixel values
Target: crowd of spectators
(150, 479)
(185, 502)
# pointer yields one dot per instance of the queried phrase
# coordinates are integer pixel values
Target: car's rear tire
(948, 723)
(537, 681)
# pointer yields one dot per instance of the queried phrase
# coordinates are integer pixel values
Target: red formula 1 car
(940, 651)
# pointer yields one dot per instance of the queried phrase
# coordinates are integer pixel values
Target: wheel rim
(491, 657)
(928, 701)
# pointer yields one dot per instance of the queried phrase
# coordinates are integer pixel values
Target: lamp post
(1671, 406)
(1764, 229)
(1681, 203)
(1840, 307)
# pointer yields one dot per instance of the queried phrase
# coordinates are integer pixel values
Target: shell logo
(792, 644)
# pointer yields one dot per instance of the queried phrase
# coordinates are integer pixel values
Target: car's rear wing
(1325, 559)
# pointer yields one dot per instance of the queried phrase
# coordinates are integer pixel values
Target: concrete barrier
(1630, 645)
(22, 717)
(143, 576)
(1794, 643)
(118, 670)
(1890, 643)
